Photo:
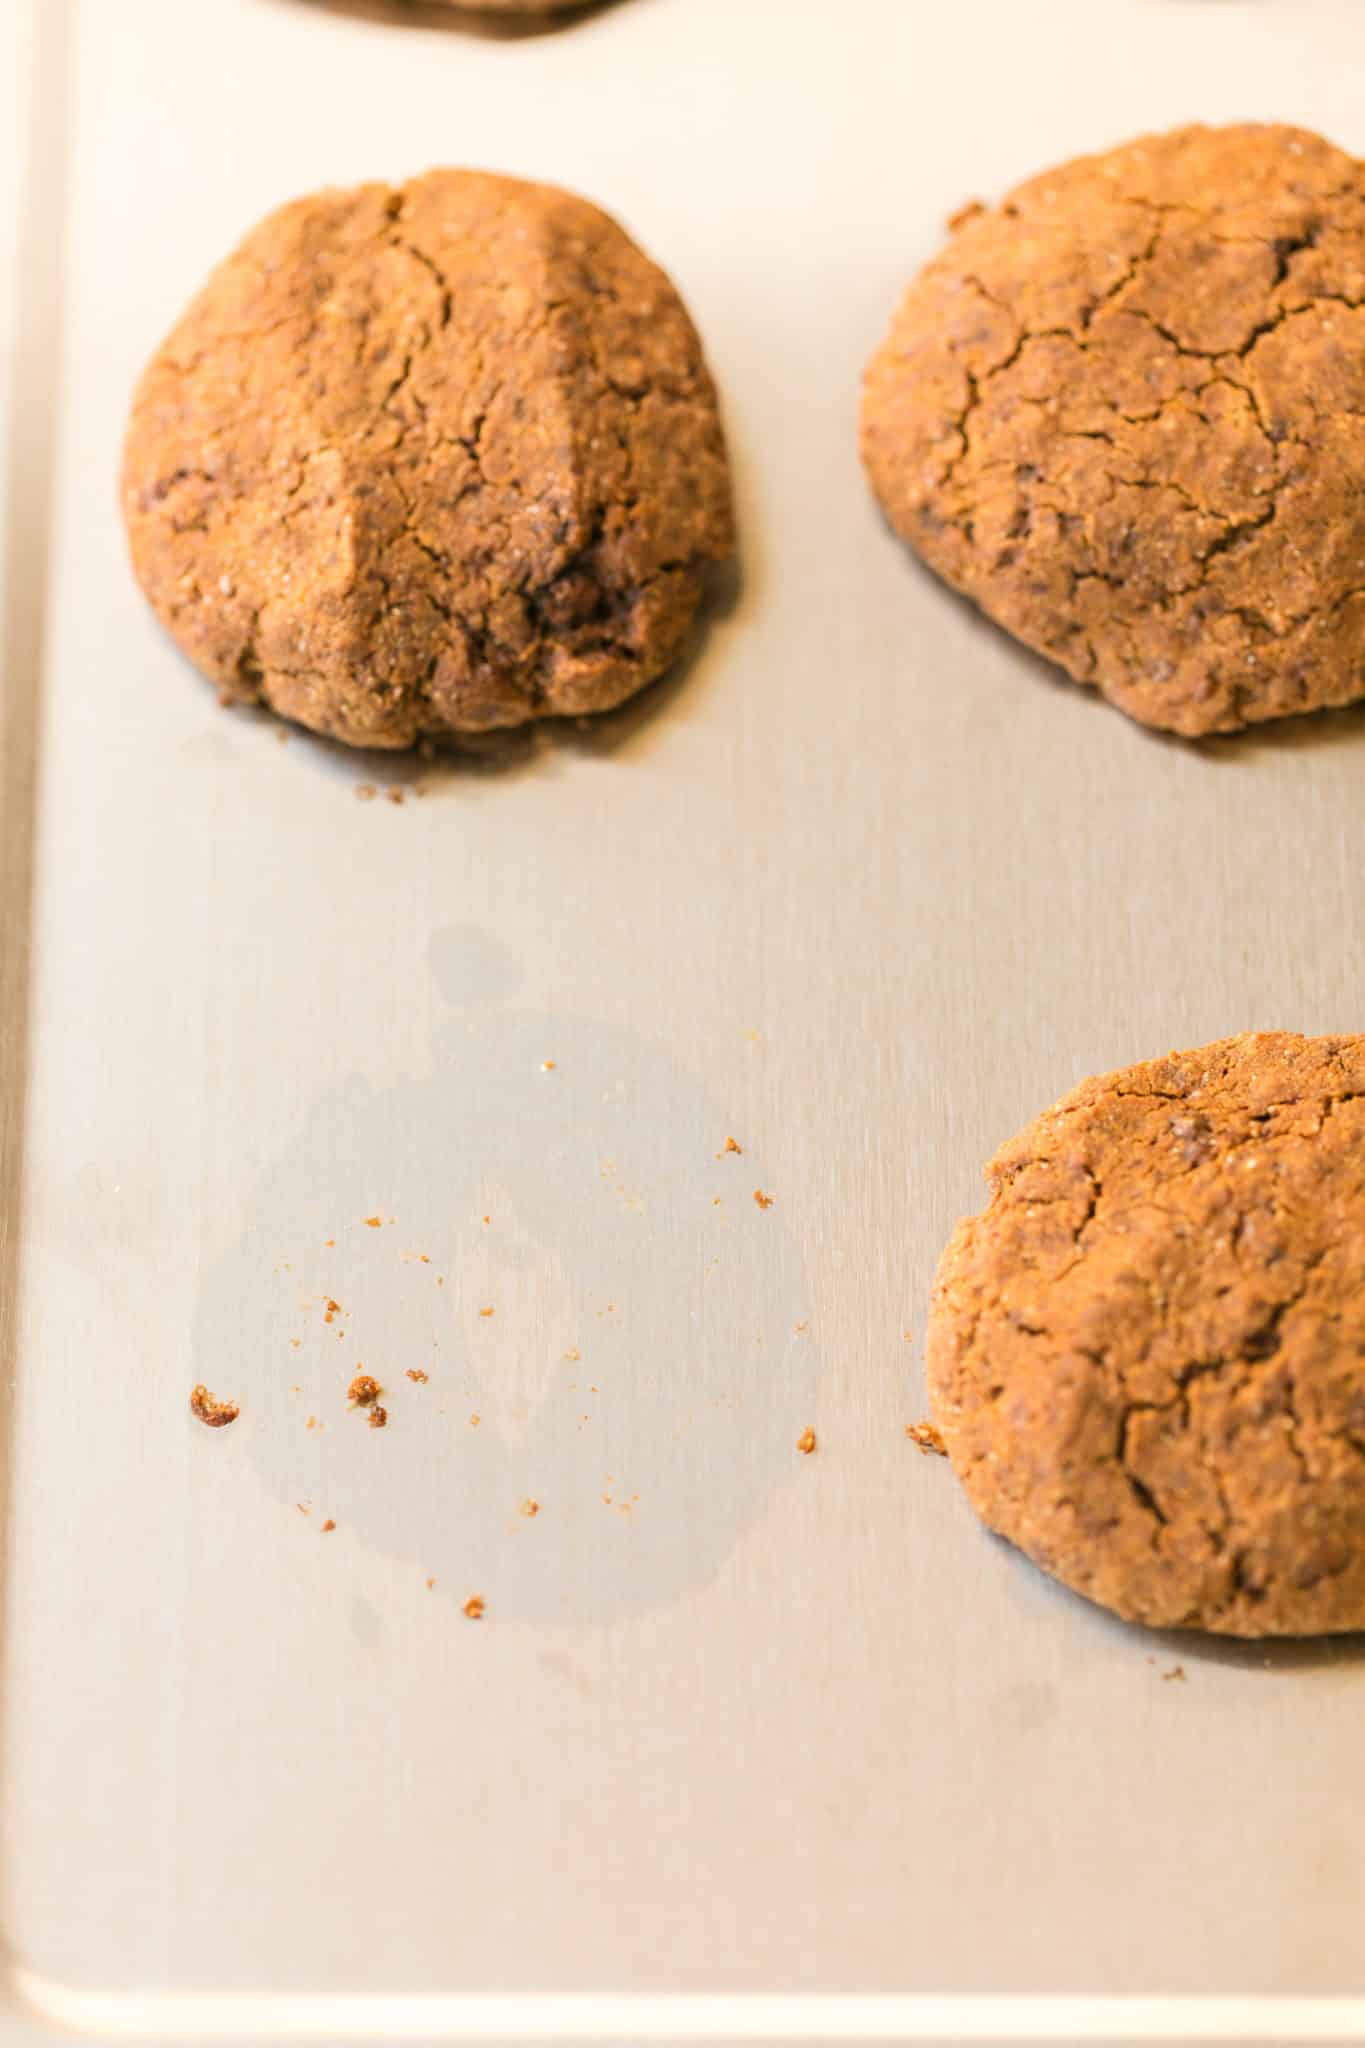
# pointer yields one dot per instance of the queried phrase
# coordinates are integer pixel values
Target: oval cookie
(430, 458)
(1147, 1354)
(1124, 411)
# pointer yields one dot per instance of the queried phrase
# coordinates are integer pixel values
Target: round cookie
(1124, 411)
(1147, 1355)
(426, 459)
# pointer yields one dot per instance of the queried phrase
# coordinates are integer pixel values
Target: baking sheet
(863, 886)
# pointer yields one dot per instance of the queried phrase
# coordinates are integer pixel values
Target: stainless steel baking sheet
(864, 886)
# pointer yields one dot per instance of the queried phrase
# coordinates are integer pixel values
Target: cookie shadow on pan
(1188, 1647)
(1255, 1653)
(449, 761)
(1343, 726)
(472, 21)
(1303, 731)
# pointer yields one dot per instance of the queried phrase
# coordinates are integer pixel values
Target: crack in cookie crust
(1147, 1355)
(437, 458)
(1124, 411)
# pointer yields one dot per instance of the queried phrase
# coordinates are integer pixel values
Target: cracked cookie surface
(1124, 411)
(1147, 1354)
(432, 458)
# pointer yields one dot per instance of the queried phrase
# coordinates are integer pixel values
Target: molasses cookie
(427, 459)
(521, 7)
(1147, 1354)
(1124, 411)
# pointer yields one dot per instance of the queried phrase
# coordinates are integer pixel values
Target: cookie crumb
(573, 1354)
(330, 1244)
(474, 1421)
(530, 1508)
(800, 1329)
(312, 1422)
(805, 1443)
(430, 1584)
(548, 1066)
(729, 1146)
(215, 1413)
(1176, 1671)
(363, 1390)
(327, 1527)
(379, 1417)
(970, 211)
(295, 1342)
(331, 1308)
(303, 1507)
(365, 792)
(473, 1609)
(928, 1439)
(373, 1222)
(485, 1311)
(394, 793)
(417, 1376)
(764, 1201)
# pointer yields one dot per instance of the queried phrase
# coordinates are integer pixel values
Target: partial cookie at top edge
(512, 6)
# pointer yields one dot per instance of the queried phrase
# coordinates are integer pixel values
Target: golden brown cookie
(1147, 1355)
(430, 458)
(1125, 412)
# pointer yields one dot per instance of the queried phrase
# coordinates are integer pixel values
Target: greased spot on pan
(702, 1381)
